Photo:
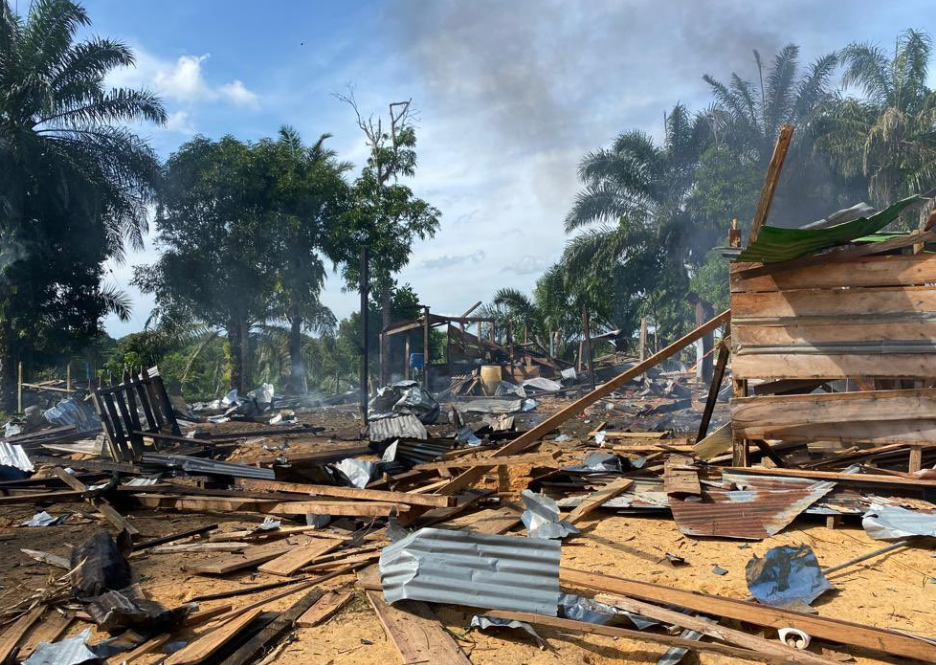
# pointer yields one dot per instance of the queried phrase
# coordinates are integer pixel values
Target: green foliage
(710, 282)
(74, 181)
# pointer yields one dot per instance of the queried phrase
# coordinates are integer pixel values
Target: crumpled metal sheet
(511, 573)
(405, 397)
(597, 463)
(542, 383)
(787, 577)
(894, 522)
(74, 411)
(358, 472)
(14, 455)
(541, 517)
(584, 609)
(199, 465)
(72, 651)
(45, 519)
(747, 515)
(483, 623)
(491, 405)
(405, 426)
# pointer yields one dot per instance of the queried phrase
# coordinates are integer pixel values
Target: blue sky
(509, 96)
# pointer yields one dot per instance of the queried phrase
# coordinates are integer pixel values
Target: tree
(219, 245)
(747, 118)
(74, 181)
(887, 138)
(385, 216)
(310, 199)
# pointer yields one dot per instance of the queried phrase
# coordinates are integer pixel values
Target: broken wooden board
(292, 561)
(311, 507)
(679, 477)
(715, 444)
(325, 607)
(492, 521)
(432, 501)
(250, 558)
(53, 626)
(833, 630)
(594, 500)
(12, 635)
(736, 637)
(208, 643)
(416, 633)
(531, 459)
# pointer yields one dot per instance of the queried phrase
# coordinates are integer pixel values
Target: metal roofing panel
(745, 514)
(511, 573)
(395, 427)
(775, 244)
(14, 455)
(200, 465)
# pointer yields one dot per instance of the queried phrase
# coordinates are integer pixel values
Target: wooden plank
(713, 630)
(840, 333)
(771, 180)
(312, 507)
(273, 632)
(102, 504)
(714, 387)
(250, 558)
(869, 271)
(416, 633)
(845, 478)
(12, 635)
(207, 644)
(325, 608)
(679, 477)
(292, 561)
(749, 308)
(872, 405)
(810, 366)
(52, 627)
(530, 459)
(534, 434)
(594, 500)
(636, 635)
(877, 433)
(824, 628)
(493, 521)
(348, 493)
(40, 497)
(715, 444)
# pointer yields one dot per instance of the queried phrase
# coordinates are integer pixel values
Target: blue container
(416, 361)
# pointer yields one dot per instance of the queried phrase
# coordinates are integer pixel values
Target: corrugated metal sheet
(14, 455)
(776, 244)
(396, 427)
(511, 573)
(744, 514)
(198, 465)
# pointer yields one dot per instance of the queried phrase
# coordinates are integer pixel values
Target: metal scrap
(477, 570)
(787, 577)
(541, 517)
(895, 522)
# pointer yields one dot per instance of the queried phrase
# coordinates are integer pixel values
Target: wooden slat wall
(868, 317)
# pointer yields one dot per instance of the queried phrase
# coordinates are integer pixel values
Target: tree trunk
(246, 379)
(297, 378)
(386, 306)
(234, 340)
(7, 369)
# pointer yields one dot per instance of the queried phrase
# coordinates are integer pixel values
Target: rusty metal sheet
(744, 514)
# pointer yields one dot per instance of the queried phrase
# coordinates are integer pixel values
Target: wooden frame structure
(116, 405)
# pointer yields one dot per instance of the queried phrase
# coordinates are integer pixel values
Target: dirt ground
(894, 591)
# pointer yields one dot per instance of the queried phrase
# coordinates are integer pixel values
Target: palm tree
(888, 137)
(747, 118)
(74, 181)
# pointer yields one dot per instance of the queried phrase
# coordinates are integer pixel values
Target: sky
(509, 97)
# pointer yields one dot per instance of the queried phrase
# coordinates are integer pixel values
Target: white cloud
(181, 122)
(182, 81)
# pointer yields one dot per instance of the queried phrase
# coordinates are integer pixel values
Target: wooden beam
(12, 635)
(102, 504)
(714, 387)
(636, 635)
(533, 435)
(292, 561)
(713, 630)
(856, 478)
(325, 608)
(207, 644)
(594, 500)
(432, 501)
(530, 459)
(771, 180)
(824, 628)
(416, 633)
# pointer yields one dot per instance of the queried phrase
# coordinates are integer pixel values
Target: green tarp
(775, 244)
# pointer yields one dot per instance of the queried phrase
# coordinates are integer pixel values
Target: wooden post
(19, 387)
(586, 325)
(480, 345)
(714, 387)
(406, 353)
(68, 389)
(364, 287)
(643, 338)
(916, 459)
(426, 349)
(739, 445)
(771, 180)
